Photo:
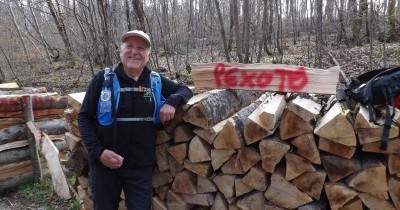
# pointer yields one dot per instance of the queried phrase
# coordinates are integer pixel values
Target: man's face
(134, 54)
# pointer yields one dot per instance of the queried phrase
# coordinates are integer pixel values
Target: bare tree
(392, 33)
(138, 7)
(318, 38)
(237, 34)
(246, 30)
(263, 30)
(222, 30)
(59, 21)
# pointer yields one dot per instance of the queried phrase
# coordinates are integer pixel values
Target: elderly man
(122, 109)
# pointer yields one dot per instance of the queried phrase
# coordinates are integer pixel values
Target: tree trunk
(105, 27)
(393, 36)
(222, 30)
(246, 30)
(237, 34)
(138, 7)
(263, 30)
(59, 21)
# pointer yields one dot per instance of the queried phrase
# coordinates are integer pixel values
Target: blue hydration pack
(111, 89)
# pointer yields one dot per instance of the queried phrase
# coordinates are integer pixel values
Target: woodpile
(252, 150)
(31, 123)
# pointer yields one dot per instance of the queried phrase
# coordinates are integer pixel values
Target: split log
(338, 194)
(272, 152)
(241, 188)
(220, 156)
(199, 199)
(219, 203)
(162, 157)
(16, 169)
(199, 97)
(78, 162)
(311, 183)
(273, 77)
(178, 152)
(257, 179)
(394, 164)
(201, 169)
(157, 204)
(15, 181)
(338, 168)
(336, 148)
(368, 135)
(210, 133)
(371, 180)
(219, 106)
(174, 166)
(39, 113)
(75, 100)
(263, 121)
(205, 185)
(307, 148)
(335, 120)
(232, 166)
(18, 132)
(393, 147)
(161, 178)
(252, 201)
(175, 201)
(394, 191)
(354, 204)
(231, 135)
(296, 165)
(225, 184)
(306, 109)
(170, 125)
(284, 194)
(292, 125)
(248, 158)
(372, 202)
(72, 140)
(183, 132)
(8, 122)
(199, 151)
(160, 191)
(184, 182)
(162, 137)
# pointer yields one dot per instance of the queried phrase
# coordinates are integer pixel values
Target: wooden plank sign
(271, 77)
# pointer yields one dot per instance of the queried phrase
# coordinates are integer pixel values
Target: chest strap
(135, 89)
(134, 119)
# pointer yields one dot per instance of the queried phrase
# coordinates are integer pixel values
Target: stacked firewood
(251, 150)
(47, 110)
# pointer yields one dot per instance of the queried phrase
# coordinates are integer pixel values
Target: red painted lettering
(219, 70)
(230, 77)
(264, 79)
(247, 79)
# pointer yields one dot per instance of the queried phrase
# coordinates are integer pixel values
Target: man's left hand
(167, 113)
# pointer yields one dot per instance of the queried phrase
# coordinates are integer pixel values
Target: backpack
(373, 88)
(107, 108)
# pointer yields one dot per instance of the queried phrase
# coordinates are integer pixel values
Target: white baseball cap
(136, 33)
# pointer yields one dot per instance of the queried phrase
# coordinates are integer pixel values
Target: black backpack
(376, 87)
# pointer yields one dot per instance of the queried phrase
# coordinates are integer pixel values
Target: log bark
(39, 101)
(15, 181)
(18, 132)
(8, 122)
(338, 194)
(232, 134)
(219, 106)
(199, 97)
(263, 121)
(335, 119)
(284, 194)
(338, 168)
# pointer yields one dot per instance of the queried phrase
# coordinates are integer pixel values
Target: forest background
(60, 44)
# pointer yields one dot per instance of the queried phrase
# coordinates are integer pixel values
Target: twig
(345, 78)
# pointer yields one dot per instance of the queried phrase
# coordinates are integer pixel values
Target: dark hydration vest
(110, 89)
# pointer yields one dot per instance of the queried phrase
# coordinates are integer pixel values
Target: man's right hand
(111, 159)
